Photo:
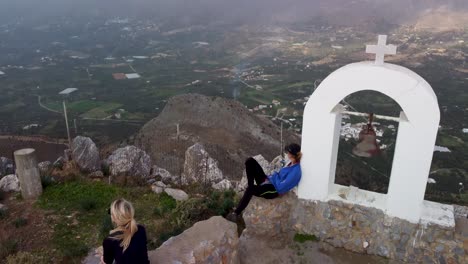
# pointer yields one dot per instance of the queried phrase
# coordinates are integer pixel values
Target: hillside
(227, 129)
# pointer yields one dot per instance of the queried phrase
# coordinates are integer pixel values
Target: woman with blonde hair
(127, 241)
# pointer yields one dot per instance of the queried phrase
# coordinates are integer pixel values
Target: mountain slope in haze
(227, 129)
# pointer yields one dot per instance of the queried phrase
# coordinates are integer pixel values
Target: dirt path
(45, 107)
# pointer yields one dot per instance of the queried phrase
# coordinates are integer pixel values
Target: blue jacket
(286, 179)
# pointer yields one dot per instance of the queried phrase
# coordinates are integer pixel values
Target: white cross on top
(381, 49)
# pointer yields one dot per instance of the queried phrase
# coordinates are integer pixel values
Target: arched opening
(367, 173)
(417, 130)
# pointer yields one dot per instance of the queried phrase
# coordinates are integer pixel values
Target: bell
(367, 146)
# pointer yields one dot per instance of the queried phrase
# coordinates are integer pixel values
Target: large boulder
(212, 241)
(86, 154)
(199, 167)
(131, 162)
(268, 226)
(6, 166)
(10, 183)
(269, 217)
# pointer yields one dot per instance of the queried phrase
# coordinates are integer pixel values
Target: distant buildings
(441, 149)
(133, 76)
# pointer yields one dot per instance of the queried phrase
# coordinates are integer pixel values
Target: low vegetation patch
(301, 238)
(8, 247)
(77, 210)
(20, 222)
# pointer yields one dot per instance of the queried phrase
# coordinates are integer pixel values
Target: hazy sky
(248, 10)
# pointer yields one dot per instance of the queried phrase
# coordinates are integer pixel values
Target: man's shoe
(232, 217)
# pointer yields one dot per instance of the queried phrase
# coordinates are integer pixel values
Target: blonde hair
(122, 214)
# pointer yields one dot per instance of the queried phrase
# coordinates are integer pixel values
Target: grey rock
(157, 189)
(3, 207)
(199, 167)
(177, 194)
(96, 175)
(222, 185)
(6, 166)
(160, 184)
(10, 183)
(44, 167)
(86, 154)
(164, 174)
(212, 241)
(129, 161)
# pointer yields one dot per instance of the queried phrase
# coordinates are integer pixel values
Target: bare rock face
(86, 154)
(6, 166)
(222, 185)
(199, 167)
(129, 161)
(212, 241)
(10, 183)
(227, 129)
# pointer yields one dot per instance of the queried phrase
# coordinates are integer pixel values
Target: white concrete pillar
(28, 173)
(320, 141)
(411, 167)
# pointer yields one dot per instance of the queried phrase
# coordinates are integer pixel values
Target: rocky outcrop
(6, 166)
(212, 241)
(10, 183)
(129, 163)
(200, 168)
(86, 154)
(228, 131)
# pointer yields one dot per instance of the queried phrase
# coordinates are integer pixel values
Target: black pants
(255, 177)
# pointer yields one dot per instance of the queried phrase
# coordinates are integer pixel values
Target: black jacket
(136, 253)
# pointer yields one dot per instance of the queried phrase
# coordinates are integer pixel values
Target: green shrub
(301, 238)
(74, 248)
(106, 226)
(3, 214)
(166, 205)
(78, 195)
(88, 204)
(105, 169)
(47, 181)
(20, 222)
(8, 247)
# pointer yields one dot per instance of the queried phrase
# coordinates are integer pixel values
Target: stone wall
(357, 228)
(212, 241)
